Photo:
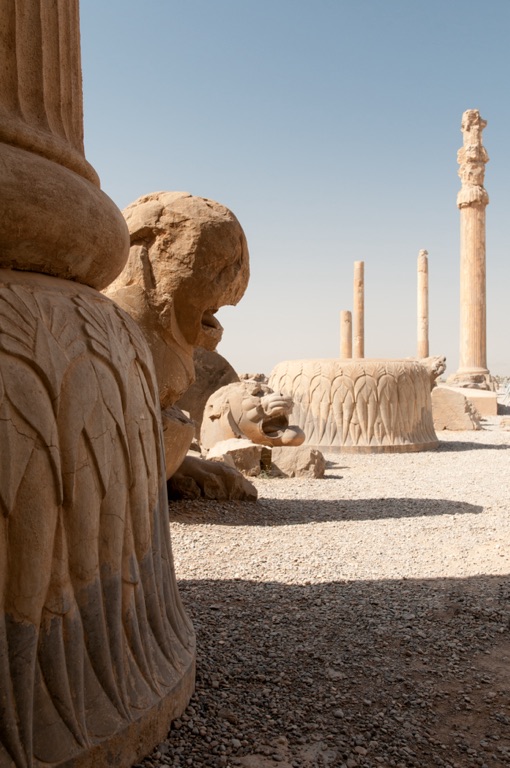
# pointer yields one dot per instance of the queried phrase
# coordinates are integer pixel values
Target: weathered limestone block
(188, 257)
(484, 401)
(96, 652)
(252, 410)
(368, 406)
(452, 411)
(212, 372)
(297, 461)
(247, 456)
(218, 480)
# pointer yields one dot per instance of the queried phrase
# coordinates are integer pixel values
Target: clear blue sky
(330, 128)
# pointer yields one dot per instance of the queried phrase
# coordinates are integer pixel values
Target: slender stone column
(472, 201)
(423, 305)
(345, 334)
(358, 311)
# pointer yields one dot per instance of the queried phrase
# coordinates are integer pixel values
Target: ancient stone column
(96, 651)
(358, 310)
(423, 305)
(472, 201)
(345, 334)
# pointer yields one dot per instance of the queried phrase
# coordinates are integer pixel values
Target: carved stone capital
(472, 157)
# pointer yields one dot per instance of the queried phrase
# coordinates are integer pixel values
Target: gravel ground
(358, 620)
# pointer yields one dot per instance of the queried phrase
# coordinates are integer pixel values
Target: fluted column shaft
(472, 201)
(55, 219)
(41, 104)
(423, 305)
(345, 334)
(358, 310)
(473, 334)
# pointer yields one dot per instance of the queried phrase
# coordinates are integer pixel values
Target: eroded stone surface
(55, 219)
(96, 646)
(452, 410)
(96, 652)
(359, 405)
(297, 461)
(252, 410)
(188, 257)
(218, 480)
(247, 456)
(212, 372)
(472, 201)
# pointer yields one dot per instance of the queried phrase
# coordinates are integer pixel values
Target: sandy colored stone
(218, 480)
(422, 305)
(372, 406)
(472, 201)
(97, 655)
(485, 402)
(188, 258)
(358, 310)
(249, 409)
(212, 372)
(297, 461)
(55, 219)
(245, 454)
(178, 433)
(345, 334)
(452, 410)
(84, 522)
(435, 365)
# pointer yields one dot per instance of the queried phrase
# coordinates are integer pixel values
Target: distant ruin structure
(472, 201)
(358, 310)
(423, 305)
(359, 406)
(345, 334)
(97, 654)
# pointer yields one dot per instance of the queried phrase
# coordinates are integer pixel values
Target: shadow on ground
(463, 446)
(414, 672)
(268, 512)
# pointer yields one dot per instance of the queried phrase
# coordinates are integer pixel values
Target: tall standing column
(423, 305)
(472, 201)
(345, 334)
(358, 310)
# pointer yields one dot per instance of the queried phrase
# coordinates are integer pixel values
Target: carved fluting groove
(369, 405)
(41, 107)
(472, 201)
(423, 305)
(55, 219)
(93, 636)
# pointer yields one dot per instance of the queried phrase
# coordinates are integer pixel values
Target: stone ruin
(251, 410)
(188, 257)
(97, 654)
(359, 405)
